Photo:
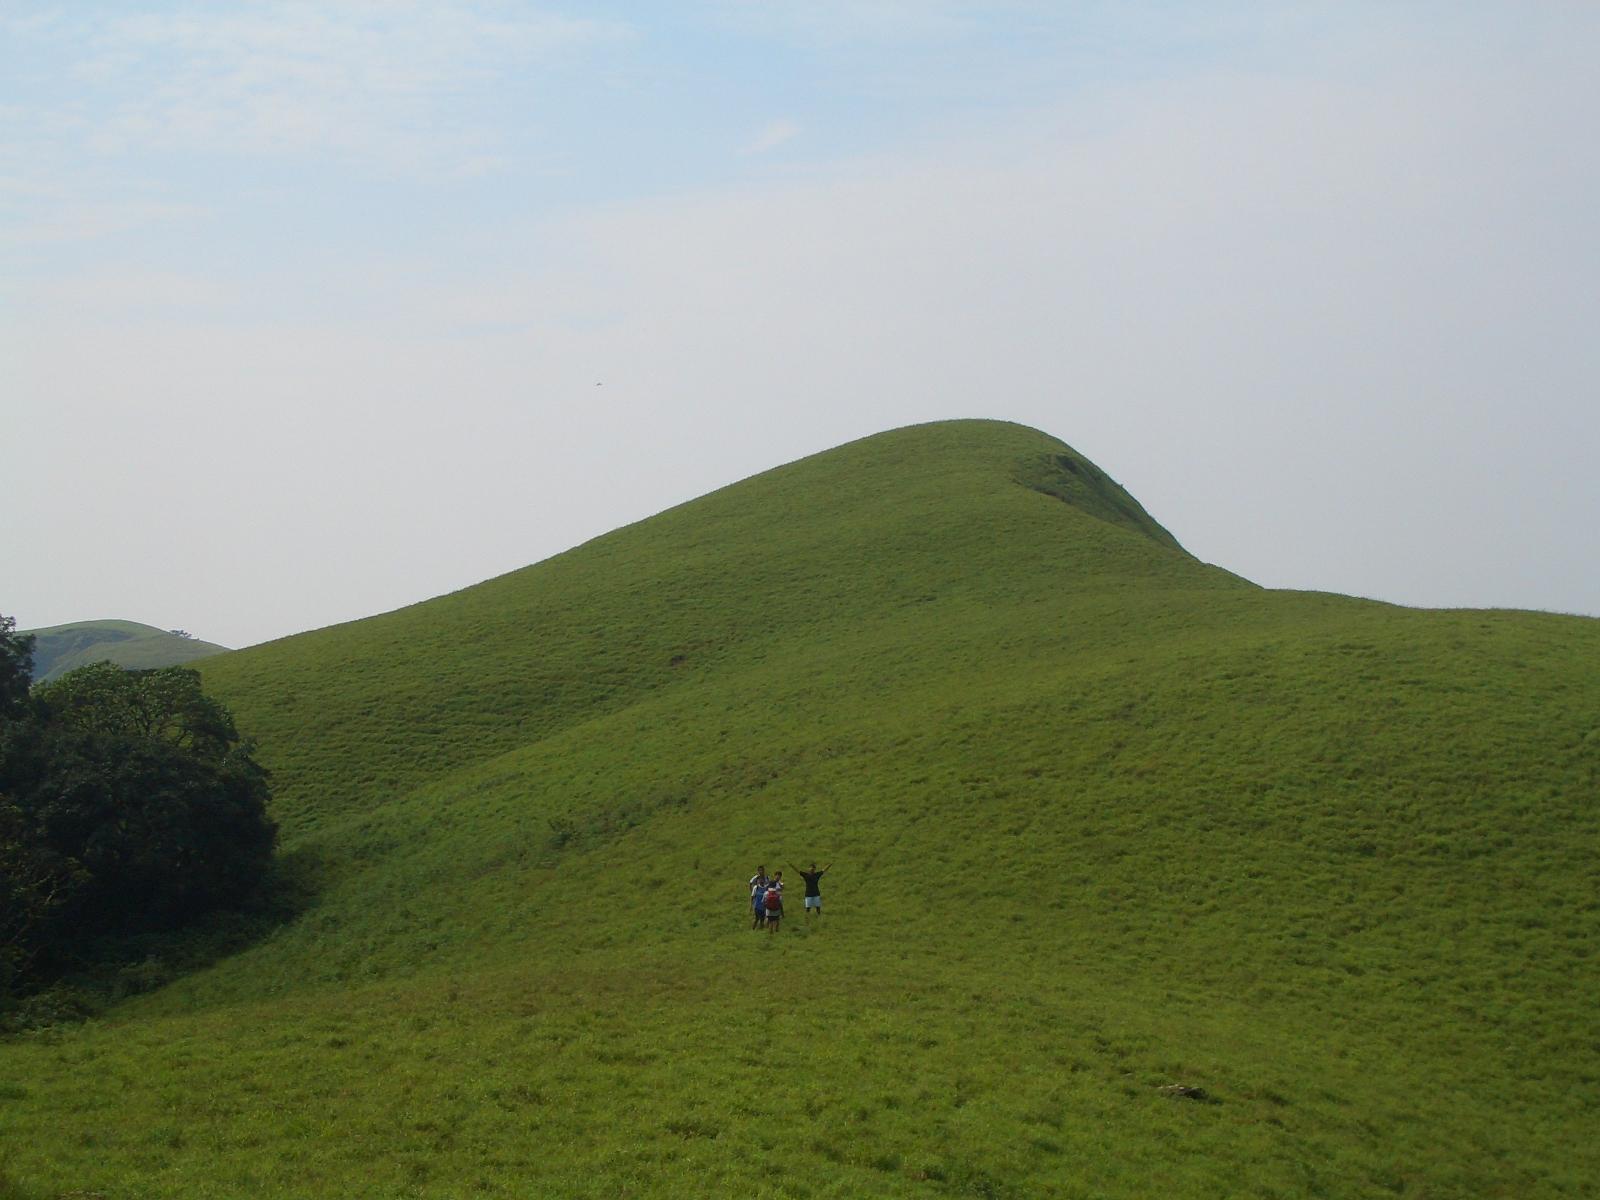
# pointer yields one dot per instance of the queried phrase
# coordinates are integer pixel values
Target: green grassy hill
(1103, 818)
(63, 648)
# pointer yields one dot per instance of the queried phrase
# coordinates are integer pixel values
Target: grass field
(1103, 819)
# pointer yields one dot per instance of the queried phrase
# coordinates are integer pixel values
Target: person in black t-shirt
(813, 890)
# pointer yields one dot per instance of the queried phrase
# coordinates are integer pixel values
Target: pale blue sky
(302, 306)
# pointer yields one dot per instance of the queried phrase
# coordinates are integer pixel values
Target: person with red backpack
(773, 901)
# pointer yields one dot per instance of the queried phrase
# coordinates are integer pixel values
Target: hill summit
(866, 537)
(62, 648)
(1144, 879)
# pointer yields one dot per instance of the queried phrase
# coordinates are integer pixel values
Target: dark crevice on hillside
(1075, 480)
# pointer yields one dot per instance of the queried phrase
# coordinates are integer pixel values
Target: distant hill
(62, 648)
(1108, 825)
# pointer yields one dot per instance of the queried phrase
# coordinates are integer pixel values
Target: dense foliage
(128, 803)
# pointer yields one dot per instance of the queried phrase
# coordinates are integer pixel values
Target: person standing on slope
(813, 890)
(773, 901)
(758, 894)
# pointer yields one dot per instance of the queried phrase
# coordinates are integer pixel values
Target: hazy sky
(303, 306)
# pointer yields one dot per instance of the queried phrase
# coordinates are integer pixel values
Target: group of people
(766, 895)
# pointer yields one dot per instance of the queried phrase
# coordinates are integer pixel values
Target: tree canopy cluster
(129, 802)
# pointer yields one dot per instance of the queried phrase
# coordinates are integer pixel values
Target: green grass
(1103, 819)
(62, 648)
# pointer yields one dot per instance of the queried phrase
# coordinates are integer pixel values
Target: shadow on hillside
(1078, 482)
(109, 970)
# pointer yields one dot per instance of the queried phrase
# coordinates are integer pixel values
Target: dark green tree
(128, 803)
(159, 834)
(163, 705)
(29, 888)
(16, 668)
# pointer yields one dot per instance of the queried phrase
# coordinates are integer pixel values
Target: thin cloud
(294, 79)
(116, 293)
(775, 134)
(837, 22)
(36, 225)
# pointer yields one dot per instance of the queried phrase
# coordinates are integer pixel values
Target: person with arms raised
(813, 887)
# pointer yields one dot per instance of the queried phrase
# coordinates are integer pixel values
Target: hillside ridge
(702, 582)
(62, 648)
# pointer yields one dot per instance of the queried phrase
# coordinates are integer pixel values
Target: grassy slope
(1103, 818)
(63, 648)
